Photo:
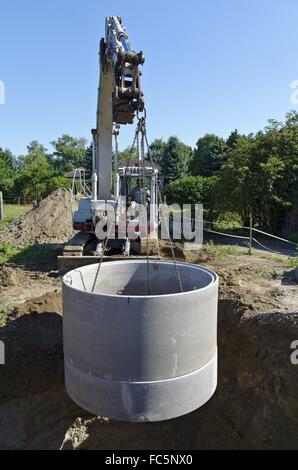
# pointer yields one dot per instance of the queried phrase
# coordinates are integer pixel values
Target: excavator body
(111, 201)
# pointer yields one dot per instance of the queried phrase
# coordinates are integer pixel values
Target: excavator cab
(131, 177)
(139, 186)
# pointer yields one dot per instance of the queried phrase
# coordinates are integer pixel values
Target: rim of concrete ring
(213, 280)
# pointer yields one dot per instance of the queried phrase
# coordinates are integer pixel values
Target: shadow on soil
(42, 258)
(289, 278)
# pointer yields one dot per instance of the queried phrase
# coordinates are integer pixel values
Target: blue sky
(210, 66)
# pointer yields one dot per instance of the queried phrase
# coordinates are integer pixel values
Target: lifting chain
(135, 140)
(142, 128)
(161, 203)
(104, 248)
(141, 147)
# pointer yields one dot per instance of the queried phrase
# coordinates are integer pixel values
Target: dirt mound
(255, 405)
(49, 222)
(181, 253)
(10, 276)
(21, 284)
(50, 302)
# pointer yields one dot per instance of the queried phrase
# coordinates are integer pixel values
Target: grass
(230, 250)
(270, 257)
(228, 220)
(4, 310)
(271, 274)
(12, 254)
(292, 262)
(268, 274)
(12, 211)
(7, 252)
(224, 250)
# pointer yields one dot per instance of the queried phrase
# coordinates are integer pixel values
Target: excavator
(119, 189)
(137, 350)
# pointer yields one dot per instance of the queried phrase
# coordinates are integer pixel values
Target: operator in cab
(136, 194)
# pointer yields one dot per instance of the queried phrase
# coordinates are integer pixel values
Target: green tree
(6, 171)
(34, 149)
(87, 160)
(260, 177)
(175, 159)
(191, 190)
(129, 154)
(209, 155)
(282, 139)
(233, 138)
(69, 153)
(32, 182)
(156, 149)
(56, 182)
(34, 175)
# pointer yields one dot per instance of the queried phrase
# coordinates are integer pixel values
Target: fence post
(1, 206)
(250, 235)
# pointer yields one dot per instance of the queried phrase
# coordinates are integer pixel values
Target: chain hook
(144, 114)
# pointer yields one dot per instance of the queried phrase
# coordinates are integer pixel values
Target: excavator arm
(119, 98)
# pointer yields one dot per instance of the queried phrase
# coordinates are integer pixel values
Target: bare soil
(255, 405)
(49, 222)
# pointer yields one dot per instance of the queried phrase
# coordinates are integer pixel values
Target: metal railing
(79, 183)
(250, 239)
(17, 201)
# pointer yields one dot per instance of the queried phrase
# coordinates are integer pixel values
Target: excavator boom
(119, 97)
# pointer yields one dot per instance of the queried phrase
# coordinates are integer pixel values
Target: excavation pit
(137, 357)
